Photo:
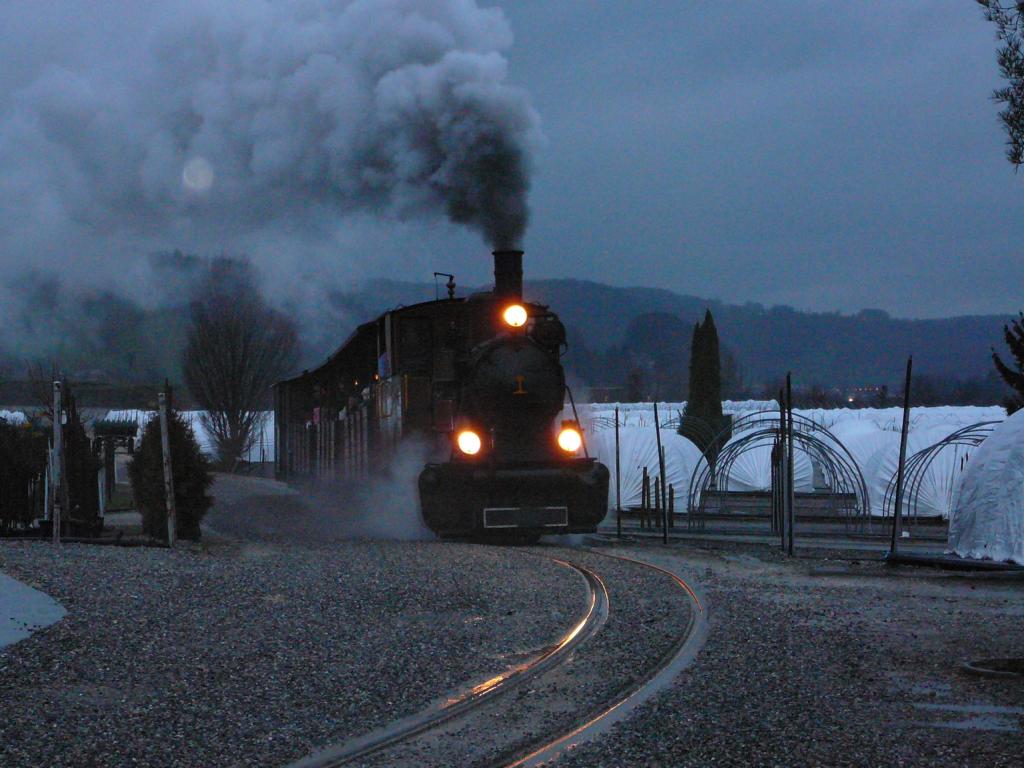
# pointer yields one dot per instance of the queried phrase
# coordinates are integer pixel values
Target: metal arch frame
(693, 428)
(602, 422)
(841, 474)
(842, 471)
(917, 466)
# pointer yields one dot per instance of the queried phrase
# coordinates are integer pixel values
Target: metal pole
(618, 479)
(58, 449)
(165, 444)
(898, 506)
(789, 462)
(661, 479)
(101, 482)
(48, 481)
(781, 469)
(664, 499)
(645, 498)
(775, 483)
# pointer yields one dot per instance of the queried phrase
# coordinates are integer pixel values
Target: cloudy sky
(829, 156)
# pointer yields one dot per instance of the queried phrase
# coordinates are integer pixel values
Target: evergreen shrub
(192, 479)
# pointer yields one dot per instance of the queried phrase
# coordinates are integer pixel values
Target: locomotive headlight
(570, 439)
(515, 315)
(468, 442)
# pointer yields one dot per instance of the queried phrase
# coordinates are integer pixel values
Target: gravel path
(648, 616)
(252, 654)
(833, 664)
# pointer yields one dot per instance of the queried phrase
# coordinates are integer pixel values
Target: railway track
(449, 712)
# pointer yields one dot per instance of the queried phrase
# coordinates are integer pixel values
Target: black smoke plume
(256, 127)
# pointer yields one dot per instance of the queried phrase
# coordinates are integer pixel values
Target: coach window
(415, 345)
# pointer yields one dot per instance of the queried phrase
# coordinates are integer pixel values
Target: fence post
(661, 476)
(101, 481)
(165, 444)
(618, 479)
(897, 509)
(57, 464)
(782, 470)
(47, 481)
(671, 505)
(790, 461)
(645, 498)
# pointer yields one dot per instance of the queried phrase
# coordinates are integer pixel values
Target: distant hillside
(105, 338)
(820, 348)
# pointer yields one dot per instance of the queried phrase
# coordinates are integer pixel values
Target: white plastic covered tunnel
(638, 448)
(988, 519)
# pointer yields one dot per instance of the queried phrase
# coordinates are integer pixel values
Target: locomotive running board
(526, 517)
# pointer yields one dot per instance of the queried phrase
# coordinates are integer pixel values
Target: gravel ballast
(648, 616)
(258, 648)
(253, 654)
(831, 663)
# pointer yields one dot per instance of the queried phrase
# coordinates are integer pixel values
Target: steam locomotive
(474, 382)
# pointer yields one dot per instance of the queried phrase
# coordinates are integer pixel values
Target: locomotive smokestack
(508, 274)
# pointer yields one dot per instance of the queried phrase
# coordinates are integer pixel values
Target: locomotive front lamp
(515, 315)
(468, 442)
(570, 439)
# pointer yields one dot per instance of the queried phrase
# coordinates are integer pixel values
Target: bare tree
(41, 385)
(237, 347)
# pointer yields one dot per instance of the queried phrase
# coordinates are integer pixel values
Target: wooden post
(618, 480)
(897, 509)
(101, 482)
(645, 498)
(790, 485)
(58, 465)
(165, 444)
(671, 506)
(109, 448)
(661, 476)
(783, 470)
(774, 481)
(47, 482)
(664, 498)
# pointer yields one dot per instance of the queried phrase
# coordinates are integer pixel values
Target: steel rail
(678, 659)
(458, 704)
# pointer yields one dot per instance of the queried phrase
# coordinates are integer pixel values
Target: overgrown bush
(22, 462)
(192, 479)
(82, 466)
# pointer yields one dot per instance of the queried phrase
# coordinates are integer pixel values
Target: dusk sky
(829, 156)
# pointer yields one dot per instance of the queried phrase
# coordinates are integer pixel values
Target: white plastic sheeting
(642, 414)
(876, 452)
(881, 468)
(940, 482)
(752, 469)
(923, 417)
(13, 417)
(988, 520)
(831, 418)
(638, 448)
(263, 443)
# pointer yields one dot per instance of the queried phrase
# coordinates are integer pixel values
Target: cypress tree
(1013, 376)
(705, 398)
(696, 369)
